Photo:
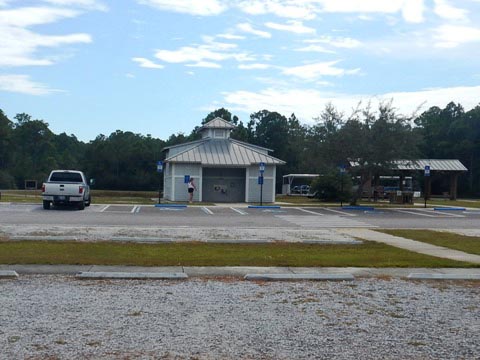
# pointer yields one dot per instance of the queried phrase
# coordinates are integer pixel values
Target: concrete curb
(297, 277)
(8, 274)
(423, 276)
(91, 275)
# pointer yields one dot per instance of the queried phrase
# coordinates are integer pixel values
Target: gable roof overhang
(224, 152)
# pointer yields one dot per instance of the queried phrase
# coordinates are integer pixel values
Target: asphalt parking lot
(240, 216)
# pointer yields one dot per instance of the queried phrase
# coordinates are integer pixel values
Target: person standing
(191, 189)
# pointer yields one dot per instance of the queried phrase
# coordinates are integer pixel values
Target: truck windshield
(66, 177)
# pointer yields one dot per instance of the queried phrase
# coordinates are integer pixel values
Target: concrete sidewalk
(412, 245)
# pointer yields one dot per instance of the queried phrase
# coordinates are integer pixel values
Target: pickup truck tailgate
(63, 189)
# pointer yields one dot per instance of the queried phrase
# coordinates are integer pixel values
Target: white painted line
(239, 211)
(309, 211)
(134, 209)
(450, 214)
(415, 213)
(207, 210)
(105, 208)
(439, 214)
(339, 212)
(138, 209)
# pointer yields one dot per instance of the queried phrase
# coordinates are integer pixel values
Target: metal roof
(435, 165)
(302, 175)
(419, 164)
(225, 152)
(218, 123)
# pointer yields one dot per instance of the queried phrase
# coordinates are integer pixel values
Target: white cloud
(308, 103)
(145, 63)
(86, 4)
(254, 66)
(292, 9)
(19, 44)
(411, 10)
(207, 54)
(192, 7)
(231, 36)
(293, 26)
(205, 64)
(450, 36)
(315, 48)
(29, 16)
(246, 27)
(338, 42)
(314, 71)
(22, 84)
(445, 10)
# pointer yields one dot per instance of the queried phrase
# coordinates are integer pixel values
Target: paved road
(238, 217)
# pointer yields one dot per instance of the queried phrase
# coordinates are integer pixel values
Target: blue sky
(158, 67)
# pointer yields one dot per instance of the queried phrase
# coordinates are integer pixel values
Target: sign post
(160, 170)
(342, 171)
(260, 181)
(427, 178)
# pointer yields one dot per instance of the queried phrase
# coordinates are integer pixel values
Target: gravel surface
(59, 317)
(110, 233)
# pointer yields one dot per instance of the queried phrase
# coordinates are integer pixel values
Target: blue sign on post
(262, 167)
(260, 180)
(342, 169)
(159, 166)
(186, 179)
(427, 170)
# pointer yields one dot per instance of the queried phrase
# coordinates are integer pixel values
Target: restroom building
(224, 169)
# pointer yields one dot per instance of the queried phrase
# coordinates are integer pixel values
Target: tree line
(372, 138)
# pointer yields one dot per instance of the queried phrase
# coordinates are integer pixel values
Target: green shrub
(328, 187)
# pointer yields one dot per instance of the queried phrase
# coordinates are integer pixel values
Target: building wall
(238, 188)
(175, 188)
(221, 184)
(254, 189)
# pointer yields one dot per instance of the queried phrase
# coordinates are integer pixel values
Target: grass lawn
(369, 254)
(460, 203)
(468, 244)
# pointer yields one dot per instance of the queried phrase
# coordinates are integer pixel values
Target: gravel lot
(60, 317)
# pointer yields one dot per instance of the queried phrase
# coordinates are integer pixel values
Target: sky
(158, 67)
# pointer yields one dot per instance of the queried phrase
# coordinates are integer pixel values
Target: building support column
(453, 186)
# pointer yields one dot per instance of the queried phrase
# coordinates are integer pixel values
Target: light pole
(342, 171)
(260, 181)
(427, 178)
(160, 170)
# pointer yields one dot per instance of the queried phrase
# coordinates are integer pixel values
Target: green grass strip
(369, 254)
(468, 244)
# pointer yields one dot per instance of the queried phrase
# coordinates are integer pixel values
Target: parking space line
(308, 211)
(138, 209)
(453, 215)
(415, 213)
(207, 210)
(134, 210)
(339, 212)
(104, 208)
(239, 211)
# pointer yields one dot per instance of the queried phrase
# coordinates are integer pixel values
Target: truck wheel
(89, 201)
(81, 205)
(46, 205)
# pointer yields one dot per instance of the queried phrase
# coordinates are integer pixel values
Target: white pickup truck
(65, 187)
